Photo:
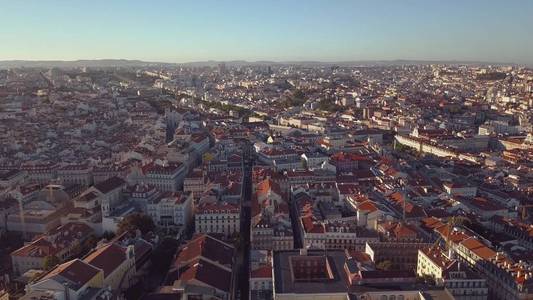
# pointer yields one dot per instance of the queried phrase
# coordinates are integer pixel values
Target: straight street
(243, 251)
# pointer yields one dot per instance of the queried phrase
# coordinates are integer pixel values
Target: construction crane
(453, 221)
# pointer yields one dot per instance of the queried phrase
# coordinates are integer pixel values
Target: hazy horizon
(178, 32)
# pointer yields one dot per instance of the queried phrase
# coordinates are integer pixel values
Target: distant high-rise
(222, 68)
(367, 113)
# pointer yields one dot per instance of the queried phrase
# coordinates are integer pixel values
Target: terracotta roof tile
(107, 258)
(208, 247)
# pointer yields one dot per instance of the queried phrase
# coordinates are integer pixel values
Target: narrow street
(243, 251)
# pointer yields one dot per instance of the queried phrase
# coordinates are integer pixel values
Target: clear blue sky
(327, 30)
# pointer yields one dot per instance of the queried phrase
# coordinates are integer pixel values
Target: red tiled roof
(262, 272)
(267, 185)
(110, 184)
(310, 226)
(207, 208)
(256, 208)
(454, 236)
(397, 197)
(207, 273)
(107, 258)
(342, 156)
(399, 230)
(347, 189)
(208, 247)
(360, 256)
(431, 223)
(368, 206)
(75, 271)
(484, 204)
(55, 240)
(478, 248)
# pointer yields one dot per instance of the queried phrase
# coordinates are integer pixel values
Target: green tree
(50, 262)
(427, 279)
(136, 221)
(384, 265)
(298, 94)
(329, 106)
(89, 243)
(295, 98)
(492, 76)
(77, 249)
(164, 253)
(108, 235)
(36, 276)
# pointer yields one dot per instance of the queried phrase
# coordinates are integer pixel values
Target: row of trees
(329, 106)
(136, 221)
(295, 98)
(492, 76)
(89, 243)
(218, 105)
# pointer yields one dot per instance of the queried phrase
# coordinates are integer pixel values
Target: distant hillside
(98, 63)
(105, 63)
(397, 62)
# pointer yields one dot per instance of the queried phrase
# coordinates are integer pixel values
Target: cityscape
(275, 178)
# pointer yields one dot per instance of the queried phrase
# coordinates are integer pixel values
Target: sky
(277, 30)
